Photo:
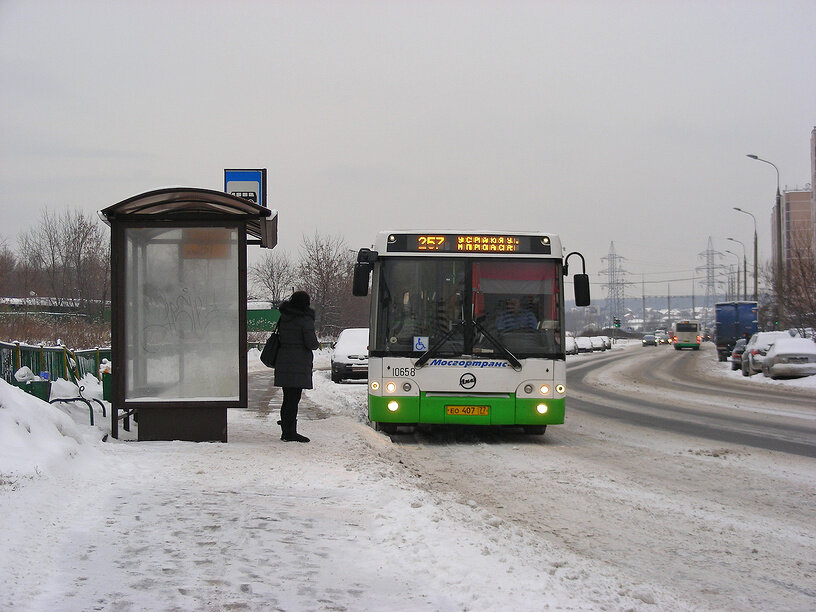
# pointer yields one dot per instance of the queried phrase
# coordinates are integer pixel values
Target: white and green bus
(466, 328)
(686, 334)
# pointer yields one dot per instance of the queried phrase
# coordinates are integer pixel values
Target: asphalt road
(676, 391)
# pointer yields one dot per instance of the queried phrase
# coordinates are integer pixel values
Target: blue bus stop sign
(247, 184)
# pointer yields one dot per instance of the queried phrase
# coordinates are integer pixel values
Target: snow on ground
(257, 524)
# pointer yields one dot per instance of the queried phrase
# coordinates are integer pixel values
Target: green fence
(58, 361)
(262, 320)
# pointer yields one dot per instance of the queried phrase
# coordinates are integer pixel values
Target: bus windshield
(468, 306)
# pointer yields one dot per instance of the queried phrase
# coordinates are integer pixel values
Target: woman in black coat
(293, 368)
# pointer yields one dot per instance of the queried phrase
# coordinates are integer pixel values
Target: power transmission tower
(615, 284)
(711, 268)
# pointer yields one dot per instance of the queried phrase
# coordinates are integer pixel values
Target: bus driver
(516, 319)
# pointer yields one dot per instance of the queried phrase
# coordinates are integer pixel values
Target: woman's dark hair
(300, 300)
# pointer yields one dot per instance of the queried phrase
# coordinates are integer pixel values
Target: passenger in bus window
(514, 318)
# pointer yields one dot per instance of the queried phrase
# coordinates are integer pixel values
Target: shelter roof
(186, 203)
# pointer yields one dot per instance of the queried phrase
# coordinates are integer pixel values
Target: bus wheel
(535, 430)
(386, 428)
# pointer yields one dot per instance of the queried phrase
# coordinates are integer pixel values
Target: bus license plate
(468, 410)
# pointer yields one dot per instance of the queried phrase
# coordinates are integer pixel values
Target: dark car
(736, 354)
(649, 340)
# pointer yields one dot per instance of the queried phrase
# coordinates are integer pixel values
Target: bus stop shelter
(178, 306)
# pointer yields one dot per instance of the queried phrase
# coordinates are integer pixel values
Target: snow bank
(37, 437)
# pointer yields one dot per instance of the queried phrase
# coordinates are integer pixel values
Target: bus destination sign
(468, 243)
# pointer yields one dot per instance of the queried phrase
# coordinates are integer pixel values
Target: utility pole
(643, 301)
(710, 269)
(615, 284)
(693, 307)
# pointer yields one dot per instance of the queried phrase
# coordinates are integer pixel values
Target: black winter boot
(293, 437)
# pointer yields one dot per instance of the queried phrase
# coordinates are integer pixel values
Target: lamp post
(756, 282)
(778, 232)
(744, 269)
(738, 274)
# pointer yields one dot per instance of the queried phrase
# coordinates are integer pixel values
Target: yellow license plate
(468, 410)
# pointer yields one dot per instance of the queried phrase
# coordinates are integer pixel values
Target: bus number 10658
(404, 371)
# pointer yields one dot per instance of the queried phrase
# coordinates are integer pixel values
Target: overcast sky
(624, 122)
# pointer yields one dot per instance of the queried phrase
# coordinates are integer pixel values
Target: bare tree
(325, 269)
(797, 294)
(273, 276)
(67, 257)
(8, 263)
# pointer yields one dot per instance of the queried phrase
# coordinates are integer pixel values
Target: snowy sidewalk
(258, 524)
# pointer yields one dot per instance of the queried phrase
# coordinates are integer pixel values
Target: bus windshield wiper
(505, 352)
(423, 359)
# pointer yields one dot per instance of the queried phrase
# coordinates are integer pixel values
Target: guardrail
(58, 361)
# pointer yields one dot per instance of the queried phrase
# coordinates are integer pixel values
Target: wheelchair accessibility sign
(421, 343)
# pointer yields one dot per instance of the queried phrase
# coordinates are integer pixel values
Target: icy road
(700, 495)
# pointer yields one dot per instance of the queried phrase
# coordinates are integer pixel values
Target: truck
(733, 320)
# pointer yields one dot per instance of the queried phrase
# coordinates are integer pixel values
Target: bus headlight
(541, 409)
(406, 387)
(528, 388)
(393, 406)
(390, 387)
(560, 388)
(375, 385)
(544, 389)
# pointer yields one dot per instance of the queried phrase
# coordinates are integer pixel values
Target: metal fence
(58, 361)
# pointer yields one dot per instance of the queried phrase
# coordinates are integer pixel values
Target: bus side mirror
(362, 272)
(581, 290)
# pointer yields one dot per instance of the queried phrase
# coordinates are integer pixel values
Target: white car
(598, 343)
(790, 357)
(584, 344)
(571, 347)
(756, 348)
(350, 355)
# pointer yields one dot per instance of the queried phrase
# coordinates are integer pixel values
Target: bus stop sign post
(247, 184)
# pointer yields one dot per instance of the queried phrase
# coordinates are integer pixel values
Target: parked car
(350, 355)
(607, 341)
(598, 343)
(649, 340)
(584, 344)
(790, 357)
(756, 348)
(736, 354)
(571, 347)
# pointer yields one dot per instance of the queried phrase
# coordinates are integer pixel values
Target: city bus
(686, 334)
(466, 328)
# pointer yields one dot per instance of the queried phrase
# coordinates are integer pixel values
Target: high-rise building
(813, 181)
(797, 226)
(798, 231)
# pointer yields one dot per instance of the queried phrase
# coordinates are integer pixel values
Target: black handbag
(269, 354)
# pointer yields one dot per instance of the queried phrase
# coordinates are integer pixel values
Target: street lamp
(756, 282)
(778, 216)
(729, 272)
(744, 268)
